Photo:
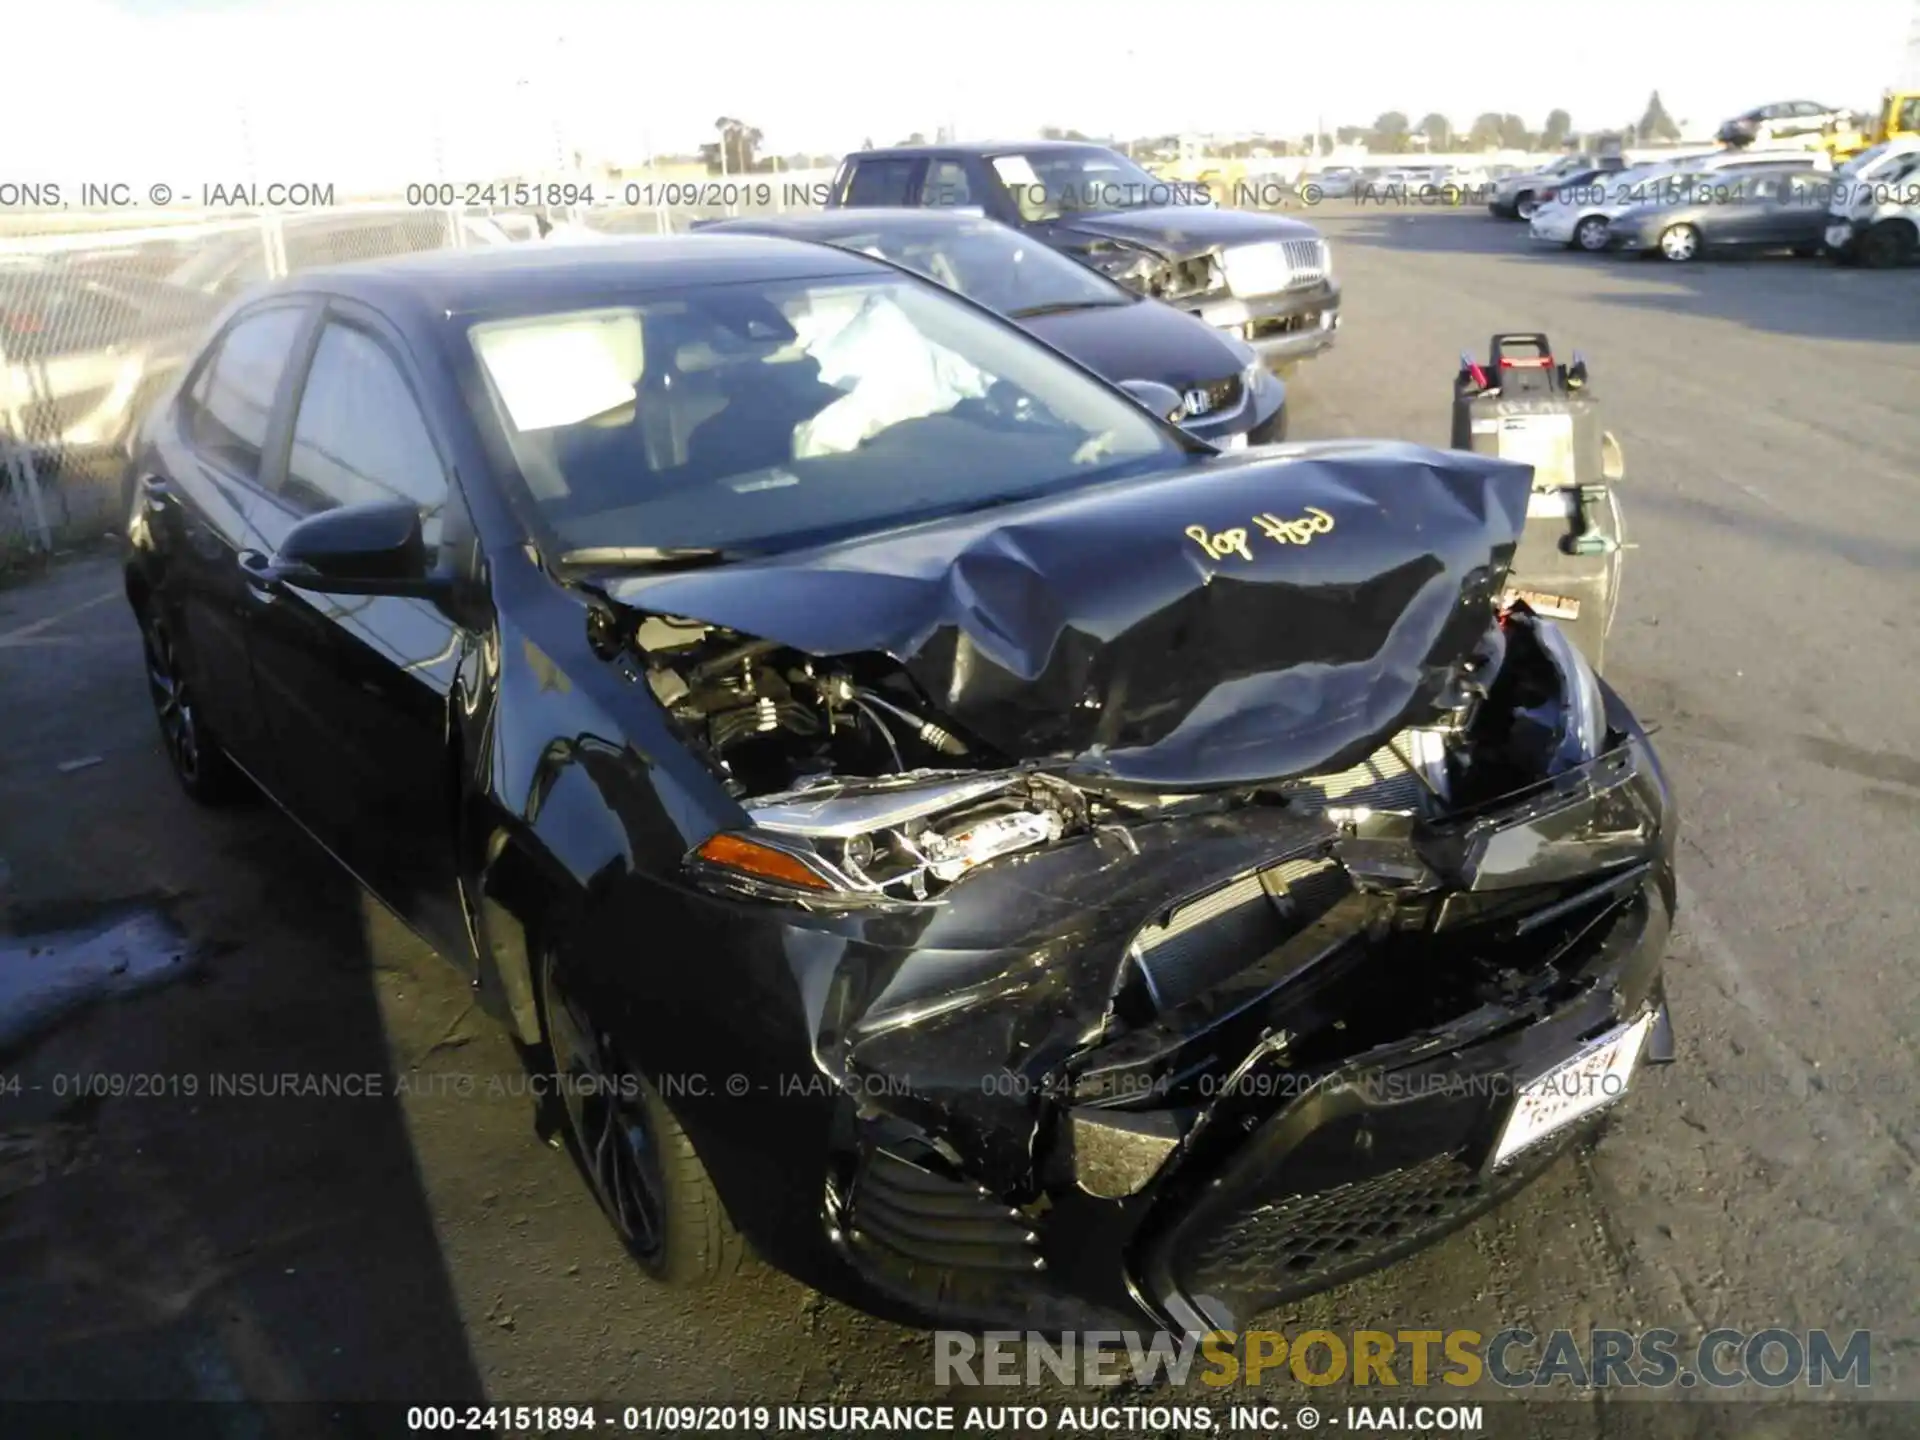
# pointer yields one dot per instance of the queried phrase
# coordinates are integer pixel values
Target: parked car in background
(1805, 120)
(1226, 395)
(1517, 196)
(1771, 209)
(1265, 278)
(1336, 183)
(82, 352)
(933, 823)
(1875, 215)
(1579, 216)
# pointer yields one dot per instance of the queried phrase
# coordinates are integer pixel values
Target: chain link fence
(96, 318)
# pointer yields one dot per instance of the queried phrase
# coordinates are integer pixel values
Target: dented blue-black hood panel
(1240, 619)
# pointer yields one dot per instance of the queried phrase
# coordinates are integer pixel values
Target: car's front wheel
(193, 752)
(1524, 205)
(639, 1162)
(1591, 234)
(1888, 244)
(1680, 243)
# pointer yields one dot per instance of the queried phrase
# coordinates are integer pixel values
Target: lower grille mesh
(926, 1219)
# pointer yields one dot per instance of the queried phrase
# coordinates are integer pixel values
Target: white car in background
(1875, 215)
(1579, 216)
(1335, 184)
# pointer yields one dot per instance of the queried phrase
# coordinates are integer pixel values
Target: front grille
(1304, 1237)
(911, 1216)
(1203, 941)
(1222, 395)
(1307, 259)
(1301, 1243)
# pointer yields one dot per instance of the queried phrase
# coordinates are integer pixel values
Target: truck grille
(1307, 259)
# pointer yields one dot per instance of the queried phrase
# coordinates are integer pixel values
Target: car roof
(985, 148)
(824, 224)
(529, 273)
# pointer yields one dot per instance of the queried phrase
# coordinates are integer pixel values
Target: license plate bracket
(1595, 1075)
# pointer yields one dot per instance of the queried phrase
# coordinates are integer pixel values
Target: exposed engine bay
(847, 757)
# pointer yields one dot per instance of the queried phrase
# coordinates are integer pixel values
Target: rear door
(355, 687)
(198, 499)
(1751, 213)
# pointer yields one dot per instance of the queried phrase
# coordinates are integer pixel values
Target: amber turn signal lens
(749, 857)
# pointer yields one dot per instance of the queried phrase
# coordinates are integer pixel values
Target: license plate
(1596, 1076)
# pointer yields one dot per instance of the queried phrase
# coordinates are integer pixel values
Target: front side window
(358, 436)
(230, 406)
(755, 417)
(1046, 184)
(882, 182)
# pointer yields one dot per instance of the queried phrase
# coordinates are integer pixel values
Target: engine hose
(931, 735)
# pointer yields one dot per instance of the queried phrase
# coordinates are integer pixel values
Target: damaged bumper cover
(1196, 1066)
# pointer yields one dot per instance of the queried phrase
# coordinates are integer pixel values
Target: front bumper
(1281, 328)
(1551, 229)
(936, 1116)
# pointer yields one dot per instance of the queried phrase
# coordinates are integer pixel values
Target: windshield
(1047, 184)
(755, 417)
(992, 266)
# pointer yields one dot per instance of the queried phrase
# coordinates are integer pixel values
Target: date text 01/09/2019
(633, 194)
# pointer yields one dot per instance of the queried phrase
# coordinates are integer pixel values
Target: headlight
(1133, 268)
(1583, 724)
(1326, 259)
(845, 843)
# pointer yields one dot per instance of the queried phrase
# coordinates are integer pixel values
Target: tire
(637, 1161)
(1806, 252)
(1887, 245)
(1590, 234)
(193, 750)
(1524, 205)
(1680, 243)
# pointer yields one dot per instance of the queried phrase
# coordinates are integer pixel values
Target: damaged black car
(946, 830)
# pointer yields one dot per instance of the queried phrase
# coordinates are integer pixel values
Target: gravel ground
(432, 1245)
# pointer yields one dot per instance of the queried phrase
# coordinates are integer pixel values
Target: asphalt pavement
(182, 1217)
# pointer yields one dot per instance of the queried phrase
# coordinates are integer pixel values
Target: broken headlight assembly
(900, 839)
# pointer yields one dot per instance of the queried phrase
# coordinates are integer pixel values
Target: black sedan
(1267, 279)
(952, 832)
(1226, 395)
(1785, 209)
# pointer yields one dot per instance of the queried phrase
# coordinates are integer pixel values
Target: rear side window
(946, 184)
(882, 182)
(229, 406)
(360, 436)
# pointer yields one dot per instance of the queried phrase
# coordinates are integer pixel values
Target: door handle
(258, 571)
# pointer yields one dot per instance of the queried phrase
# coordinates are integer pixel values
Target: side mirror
(371, 549)
(1162, 400)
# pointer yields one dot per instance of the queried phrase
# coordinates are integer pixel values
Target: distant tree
(1485, 134)
(1352, 134)
(1514, 134)
(916, 138)
(1326, 144)
(1389, 133)
(734, 154)
(1438, 130)
(1558, 132)
(1656, 124)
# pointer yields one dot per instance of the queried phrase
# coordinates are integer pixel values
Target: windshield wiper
(1061, 307)
(642, 557)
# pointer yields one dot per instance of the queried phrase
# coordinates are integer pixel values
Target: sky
(388, 91)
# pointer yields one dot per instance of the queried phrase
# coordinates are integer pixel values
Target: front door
(355, 688)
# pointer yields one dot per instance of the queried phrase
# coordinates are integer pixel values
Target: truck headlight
(1583, 723)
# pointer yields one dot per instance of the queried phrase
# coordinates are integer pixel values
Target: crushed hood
(1091, 628)
(1178, 231)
